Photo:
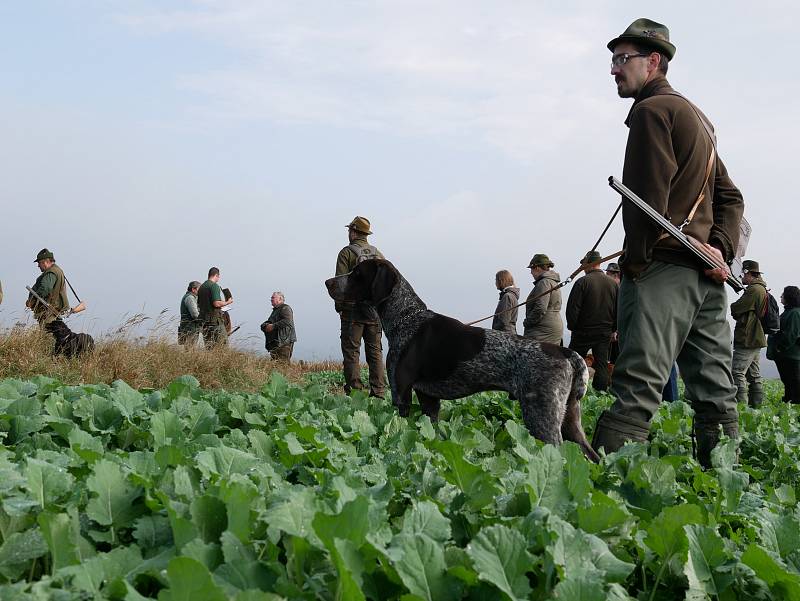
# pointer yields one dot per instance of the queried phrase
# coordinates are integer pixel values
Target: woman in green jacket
(784, 347)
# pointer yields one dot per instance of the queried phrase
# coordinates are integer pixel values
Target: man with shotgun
(671, 304)
(48, 300)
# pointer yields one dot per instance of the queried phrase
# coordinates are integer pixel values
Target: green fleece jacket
(748, 332)
(786, 343)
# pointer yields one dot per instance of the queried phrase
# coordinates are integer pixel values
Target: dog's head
(372, 282)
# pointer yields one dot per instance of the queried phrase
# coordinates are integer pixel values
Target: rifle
(43, 302)
(692, 244)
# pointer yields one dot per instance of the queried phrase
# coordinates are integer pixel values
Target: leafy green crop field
(299, 493)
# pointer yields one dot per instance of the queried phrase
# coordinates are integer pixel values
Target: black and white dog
(441, 358)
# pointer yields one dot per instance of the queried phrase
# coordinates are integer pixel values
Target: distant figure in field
(543, 311)
(51, 287)
(505, 318)
(592, 316)
(279, 329)
(784, 347)
(360, 321)
(190, 325)
(748, 336)
(210, 300)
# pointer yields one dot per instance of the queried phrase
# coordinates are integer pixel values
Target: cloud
(406, 68)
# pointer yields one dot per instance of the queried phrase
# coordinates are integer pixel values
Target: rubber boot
(741, 394)
(707, 434)
(614, 430)
(755, 395)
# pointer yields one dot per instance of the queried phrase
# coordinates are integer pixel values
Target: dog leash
(546, 292)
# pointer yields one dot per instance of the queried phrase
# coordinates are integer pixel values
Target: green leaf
(420, 563)
(577, 466)
(189, 580)
(182, 387)
(202, 419)
(295, 515)
(706, 555)
(210, 517)
(586, 587)
(113, 504)
(152, 532)
(478, 485)
(501, 558)
(127, 400)
(424, 517)
(98, 412)
(238, 494)
(363, 425)
(166, 428)
(91, 574)
(665, 534)
(87, 447)
(584, 555)
(225, 461)
(546, 479)
(781, 582)
(18, 549)
(61, 531)
(603, 514)
(46, 482)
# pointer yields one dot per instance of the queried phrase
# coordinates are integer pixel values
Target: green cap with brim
(591, 258)
(44, 254)
(751, 266)
(646, 33)
(541, 260)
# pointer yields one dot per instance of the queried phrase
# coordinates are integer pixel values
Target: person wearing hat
(210, 301)
(279, 329)
(748, 336)
(543, 308)
(670, 306)
(612, 271)
(190, 324)
(50, 286)
(360, 321)
(592, 316)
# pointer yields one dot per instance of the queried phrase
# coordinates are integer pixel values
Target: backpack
(770, 315)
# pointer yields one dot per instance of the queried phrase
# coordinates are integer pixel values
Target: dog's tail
(571, 427)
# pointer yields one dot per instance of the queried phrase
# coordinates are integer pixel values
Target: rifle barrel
(672, 230)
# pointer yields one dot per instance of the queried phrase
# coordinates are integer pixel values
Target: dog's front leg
(401, 381)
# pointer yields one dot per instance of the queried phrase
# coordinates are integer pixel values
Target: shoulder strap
(709, 165)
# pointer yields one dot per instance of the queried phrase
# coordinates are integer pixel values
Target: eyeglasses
(620, 59)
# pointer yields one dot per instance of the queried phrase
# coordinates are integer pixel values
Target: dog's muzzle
(336, 286)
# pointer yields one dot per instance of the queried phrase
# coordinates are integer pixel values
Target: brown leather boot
(614, 430)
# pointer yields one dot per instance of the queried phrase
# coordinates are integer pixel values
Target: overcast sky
(145, 141)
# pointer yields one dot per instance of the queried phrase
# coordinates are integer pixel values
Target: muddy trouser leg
(373, 349)
(352, 332)
(755, 389)
(668, 311)
(282, 354)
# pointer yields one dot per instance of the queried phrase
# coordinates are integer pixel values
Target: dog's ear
(383, 283)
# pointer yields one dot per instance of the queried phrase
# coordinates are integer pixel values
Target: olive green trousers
(672, 312)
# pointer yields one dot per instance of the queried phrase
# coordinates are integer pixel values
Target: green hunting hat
(360, 225)
(591, 258)
(613, 268)
(44, 254)
(647, 33)
(751, 266)
(541, 260)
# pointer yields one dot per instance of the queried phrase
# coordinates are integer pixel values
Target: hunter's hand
(718, 274)
(269, 327)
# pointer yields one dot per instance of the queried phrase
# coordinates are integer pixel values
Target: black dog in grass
(69, 343)
(441, 358)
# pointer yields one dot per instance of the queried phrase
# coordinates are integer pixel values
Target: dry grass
(143, 362)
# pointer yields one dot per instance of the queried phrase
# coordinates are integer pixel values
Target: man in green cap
(360, 321)
(51, 287)
(748, 336)
(670, 306)
(592, 316)
(210, 301)
(543, 308)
